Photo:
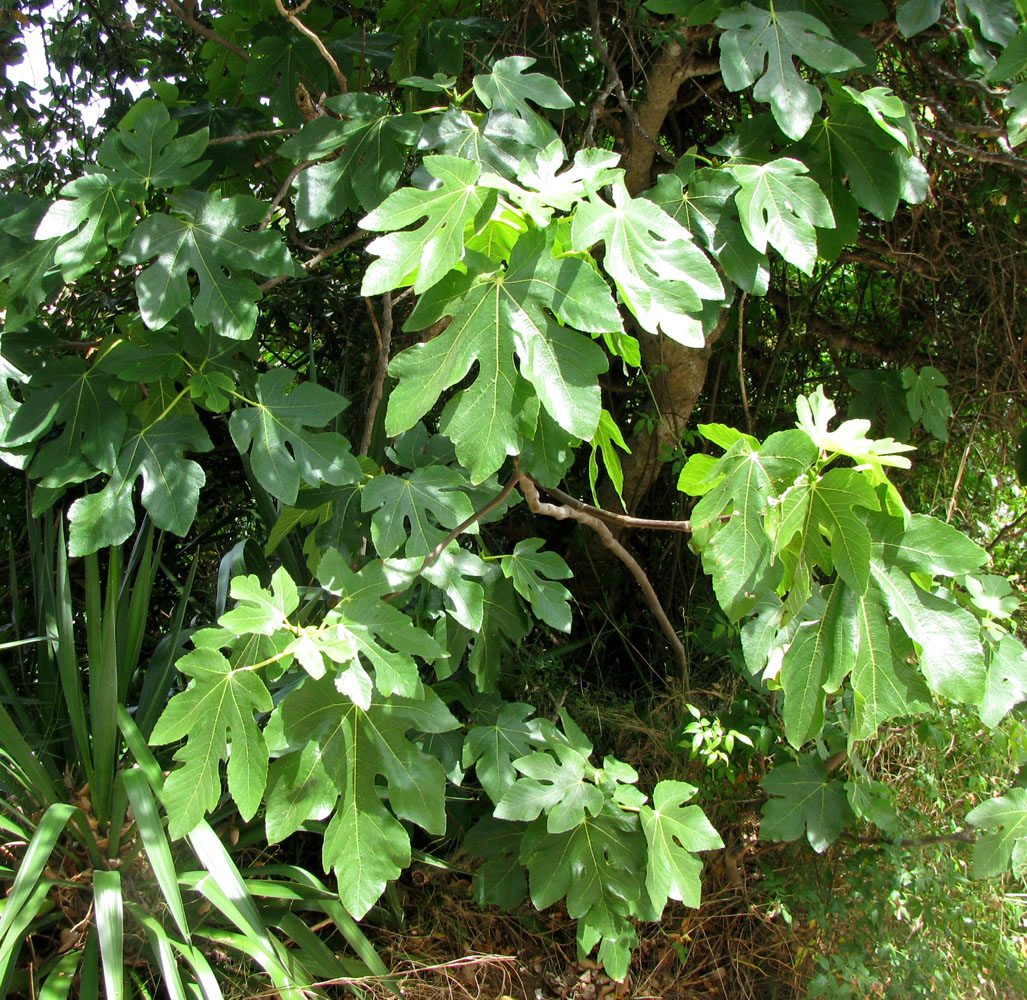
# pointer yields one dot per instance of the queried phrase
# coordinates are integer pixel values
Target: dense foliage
(316, 340)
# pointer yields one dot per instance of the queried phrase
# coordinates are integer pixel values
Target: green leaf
(216, 708)
(827, 506)
(299, 789)
(509, 88)
(597, 866)
(703, 202)
(144, 151)
(502, 616)
(424, 255)
(883, 686)
(416, 512)
(607, 439)
(260, 611)
(851, 143)
(170, 490)
(928, 545)
(500, 879)
(763, 44)
(365, 626)
(739, 554)
(880, 391)
(1007, 680)
(557, 785)
(283, 452)
(951, 656)
(820, 655)
(661, 275)
(208, 240)
(913, 16)
(373, 143)
(1005, 842)
(26, 264)
(498, 141)
(66, 391)
(804, 799)
(497, 739)
(780, 207)
(106, 210)
(1013, 61)
(927, 400)
(1015, 102)
(497, 317)
(534, 575)
(675, 833)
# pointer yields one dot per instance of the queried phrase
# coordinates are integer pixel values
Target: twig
(304, 30)
(618, 85)
(383, 334)
(283, 190)
(971, 152)
(741, 361)
(201, 29)
(1005, 532)
(318, 258)
(958, 837)
(266, 133)
(561, 513)
(511, 484)
(626, 520)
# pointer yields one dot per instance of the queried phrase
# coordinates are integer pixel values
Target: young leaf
(661, 275)
(764, 43)
(219, 703)
(804, 799)
(282, 451)
(560, 788)
(675, 833)
(534, 574)
(1005, 842)
(209, 240)
(260, 611)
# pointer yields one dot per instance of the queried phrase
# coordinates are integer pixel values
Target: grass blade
(110, 928)
(58, 982)
(161, 944)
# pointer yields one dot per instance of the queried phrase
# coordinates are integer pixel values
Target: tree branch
(623, 520)
(527, 485)
(384, 337)
(290, 15)
(187, 18)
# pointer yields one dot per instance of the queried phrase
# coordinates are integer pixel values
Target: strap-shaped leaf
(661, 275)
(806, 800)
(500, 317)
(283, 451)
(207, 239)
(761, 45)
(217, 708)
(675, 832)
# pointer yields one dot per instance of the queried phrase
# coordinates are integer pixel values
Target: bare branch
(383, 334)
(623, 520)
(340, 77)
(201, 29)
(565, 511)
(318, 258)
(242, 137)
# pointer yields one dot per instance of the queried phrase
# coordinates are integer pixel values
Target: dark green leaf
(805, 799)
